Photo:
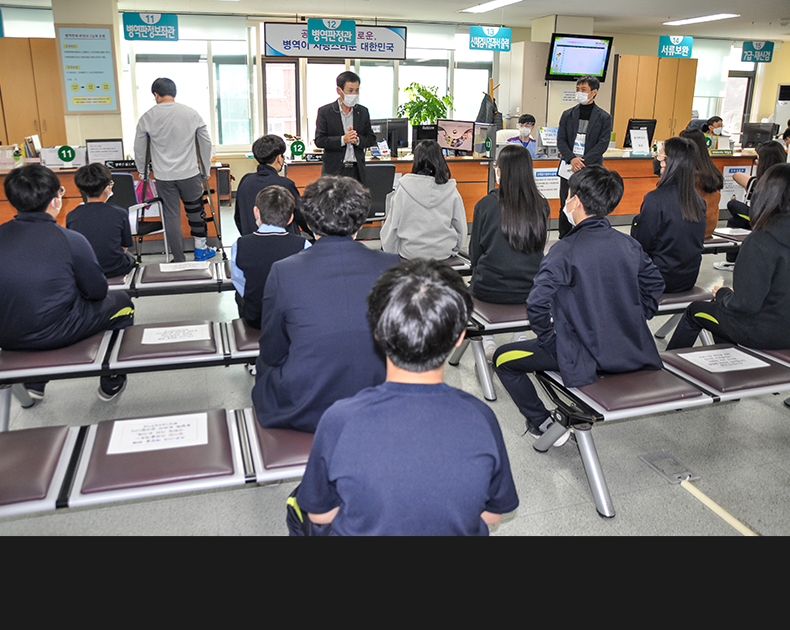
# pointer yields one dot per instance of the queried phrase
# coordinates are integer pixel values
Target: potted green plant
(424, 106)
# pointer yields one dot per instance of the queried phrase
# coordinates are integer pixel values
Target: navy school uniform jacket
(316, 346)
(49, 276)
(674, 245)
(249, 187)
(106, 226)
(600, 287)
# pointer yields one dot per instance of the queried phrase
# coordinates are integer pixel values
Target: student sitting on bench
(316, 346)
(253, 255)
(754, 313)
(105, 225)
(588, 304)
(412, 456)
(54, 291)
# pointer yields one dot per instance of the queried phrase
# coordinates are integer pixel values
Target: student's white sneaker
(724, 266)
(489, 346)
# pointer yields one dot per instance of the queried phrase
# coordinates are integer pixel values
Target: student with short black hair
(54, 290)
(105, 225)
(316, 346)
(526, 125)
(269, 152)
(412, 456)
(253, 255)
(589, 303)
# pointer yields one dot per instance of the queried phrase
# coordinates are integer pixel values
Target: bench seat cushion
(28, 459)
(697, 294)
(639, 389)
(132, 348)
(247, 338)
(84, 352)
(152, 273)
(500, 313)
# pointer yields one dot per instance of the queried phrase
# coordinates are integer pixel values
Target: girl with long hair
(710, 181)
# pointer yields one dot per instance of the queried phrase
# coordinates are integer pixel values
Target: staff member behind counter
(343, 131)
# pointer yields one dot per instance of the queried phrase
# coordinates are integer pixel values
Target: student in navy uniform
(670, 225)
(754, 312)
(54, 291)
(589, 302)
(252, 256)
(105, 225)
(269, 151)
(413, 456)
(316, 346)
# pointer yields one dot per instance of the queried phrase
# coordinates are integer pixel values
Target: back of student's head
(520, 203)
(709, 177)
(164, 87)
(266, 149)
(31, 188)
(92, 179)
(769, 153)
(417, 311)
(428, 160)
(598, 189)
(275, 205)
(335, 206)
(771, 198)
(681, 171)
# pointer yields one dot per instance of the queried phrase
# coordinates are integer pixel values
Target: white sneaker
(724, 266)
(518, 336)
(489, 346)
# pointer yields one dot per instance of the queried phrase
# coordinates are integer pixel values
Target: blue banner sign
(331, 32)
(489, 38)
(150, 26)
(761, 52)
(675, 46)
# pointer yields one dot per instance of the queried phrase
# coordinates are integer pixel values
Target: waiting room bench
(175, 279)
(682, 384)
(120, 460)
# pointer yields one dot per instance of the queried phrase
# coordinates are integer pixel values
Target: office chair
(380, 179)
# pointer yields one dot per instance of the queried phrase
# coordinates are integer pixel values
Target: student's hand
(716, 290)
(577, 164)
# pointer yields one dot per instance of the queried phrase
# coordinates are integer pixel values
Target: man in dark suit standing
(316, 345)
(583, 137)
(343, 131)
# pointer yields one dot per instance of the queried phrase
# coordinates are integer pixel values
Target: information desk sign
(489, 38)
(150, 27)
(761, 52)
(331, 32)
(675, 46)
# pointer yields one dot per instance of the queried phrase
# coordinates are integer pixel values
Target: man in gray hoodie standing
(171, 129)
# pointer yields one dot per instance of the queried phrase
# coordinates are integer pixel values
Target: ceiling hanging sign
(289, 39)
(331, 32)
(761, 52)
(150, 27)
(491, 38)
(675, 46)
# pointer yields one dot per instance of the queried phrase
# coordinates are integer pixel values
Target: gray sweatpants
(172, 192)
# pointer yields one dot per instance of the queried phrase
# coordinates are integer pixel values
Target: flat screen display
(455, 134)
(575, 56)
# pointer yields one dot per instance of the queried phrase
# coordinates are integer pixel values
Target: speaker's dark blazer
(599, 130)
(329, 133)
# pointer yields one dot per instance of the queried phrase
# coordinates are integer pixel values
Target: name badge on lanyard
(578, 144)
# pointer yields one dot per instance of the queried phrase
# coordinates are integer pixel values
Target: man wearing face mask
(583, 136)
(343, 131)
(526, 124)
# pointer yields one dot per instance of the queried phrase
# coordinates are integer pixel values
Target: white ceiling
(760, 19)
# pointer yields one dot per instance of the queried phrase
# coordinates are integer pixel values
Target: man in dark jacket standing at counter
(343, 131)
(583, 136)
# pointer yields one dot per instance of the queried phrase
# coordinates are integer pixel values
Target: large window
(232, 93)
(377, 87)
(321, 89)
(426, 67)
(280, 80)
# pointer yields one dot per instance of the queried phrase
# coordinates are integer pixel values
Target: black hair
(526, 119)
(771, 198)
(710, 122)
(31, 188)
(335, 206)
(681, 171)
(709, 178)
(164, 87)
(770, 154)
(428, 160)
(598, 189)
(275, 205)
(591, 81)
(347, 77)
(417, 312)
(92, 179)
(266, 149)
(520, 202)
(786, 134)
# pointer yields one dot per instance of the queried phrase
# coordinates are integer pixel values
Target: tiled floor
(741, 450)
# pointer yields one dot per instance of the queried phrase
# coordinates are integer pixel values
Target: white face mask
(524, 132)
(583, 97)
(568, 213)
(717, 131)
(349, 100)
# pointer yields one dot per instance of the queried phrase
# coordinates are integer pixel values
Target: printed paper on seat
(156, 434)
(724, 360)
(176, 334)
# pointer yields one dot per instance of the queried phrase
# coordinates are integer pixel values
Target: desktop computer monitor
(380, 128)
(754, 134)
(455, 135)
(398, 133)
(649, 124)
(422, 132)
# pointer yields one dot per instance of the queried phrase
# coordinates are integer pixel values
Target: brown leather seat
(245, 338)
(85, 355)
(153, 273)
(488, 313)
(696, 294)
(131, 348)
(277, 453)
(639, 389)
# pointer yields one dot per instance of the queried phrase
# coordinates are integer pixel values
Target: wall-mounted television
(574, 56)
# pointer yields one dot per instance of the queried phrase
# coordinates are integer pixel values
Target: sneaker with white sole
(724, 266)
(205, 253)
(489, 347)
(108, 392)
